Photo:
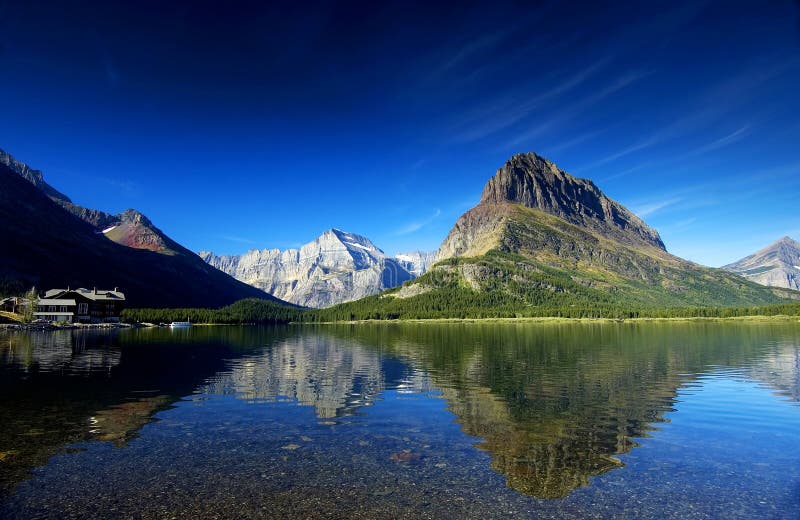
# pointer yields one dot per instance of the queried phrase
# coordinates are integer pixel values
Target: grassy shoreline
(754, 318)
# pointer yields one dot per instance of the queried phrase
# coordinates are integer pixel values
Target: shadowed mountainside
(47, 246)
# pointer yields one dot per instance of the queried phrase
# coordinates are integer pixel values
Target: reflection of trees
(59, 388)
(554, 403)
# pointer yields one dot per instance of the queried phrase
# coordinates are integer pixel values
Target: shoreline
(778, 318)
(754, 318)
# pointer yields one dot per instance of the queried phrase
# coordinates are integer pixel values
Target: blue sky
(242, 125)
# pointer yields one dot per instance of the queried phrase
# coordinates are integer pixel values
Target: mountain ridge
(49, 246)
(32, 175)
(776, 265)
(336, 267)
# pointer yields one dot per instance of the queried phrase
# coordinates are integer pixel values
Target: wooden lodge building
(80, 305)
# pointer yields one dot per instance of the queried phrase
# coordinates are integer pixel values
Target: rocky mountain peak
(535, 182)
(353, 241)
(777, 265)
(335, 267)
(134, 217)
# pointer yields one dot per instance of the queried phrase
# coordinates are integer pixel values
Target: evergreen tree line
(463, 304)
(250, 310)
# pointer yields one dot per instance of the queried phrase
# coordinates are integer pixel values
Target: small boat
(180, 324)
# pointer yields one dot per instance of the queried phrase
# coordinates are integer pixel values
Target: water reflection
(556, 404)
(335, 376)
(59, 388)
(553, 405)
(61, 351)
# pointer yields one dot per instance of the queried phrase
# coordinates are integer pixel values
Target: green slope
(530, 263)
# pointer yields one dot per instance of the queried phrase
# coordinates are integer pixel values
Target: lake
(637, 420)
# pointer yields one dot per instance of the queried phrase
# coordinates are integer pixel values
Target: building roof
(92, 294)
(56, 301)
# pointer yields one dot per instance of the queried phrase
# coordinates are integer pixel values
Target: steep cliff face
(335, 268)
(777, 265)
(534, 182)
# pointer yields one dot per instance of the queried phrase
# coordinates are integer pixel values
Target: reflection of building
(80, 305)
(63, 351)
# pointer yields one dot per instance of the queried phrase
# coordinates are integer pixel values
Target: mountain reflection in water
(552, 404)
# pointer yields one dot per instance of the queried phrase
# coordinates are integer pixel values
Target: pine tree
(29, 304)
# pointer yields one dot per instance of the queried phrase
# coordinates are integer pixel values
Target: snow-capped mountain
(416, 262)
(335, 268)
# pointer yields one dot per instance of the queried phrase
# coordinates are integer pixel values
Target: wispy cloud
(716, 144)
(582, 138)
(579, 107)
(416, 225)
(418, 164)
(238, 240)
(641, 145)
(722, 142)
(678, 226)
(622, 173)
(648, 209)
(504, 112)
(469, 51)
(707, 109)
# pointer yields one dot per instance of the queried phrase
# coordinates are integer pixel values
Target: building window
(83, 308)
(63, 308)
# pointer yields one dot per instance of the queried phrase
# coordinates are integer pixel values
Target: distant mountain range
(48, 241)
(336, 267)
(777, 265)
(541, 240)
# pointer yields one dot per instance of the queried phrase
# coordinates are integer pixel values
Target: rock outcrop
(777, 265)
(534, 182)
(335, 268)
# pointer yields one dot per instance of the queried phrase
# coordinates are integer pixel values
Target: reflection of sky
(730, 450)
